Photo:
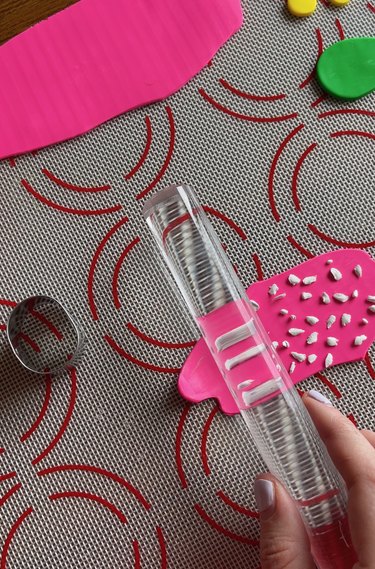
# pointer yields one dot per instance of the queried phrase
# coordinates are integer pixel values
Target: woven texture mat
(108, 467)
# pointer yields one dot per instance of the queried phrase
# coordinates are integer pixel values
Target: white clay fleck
(336, 274)
(358, 340)
(293, 280)
(285, 344)
(273, 289)
(312, 358)
(358, 271)
(292, 317)
(325, 298)
(252, 352)
(331, 320)
(331, 341)
(309, 280)
(292, 367)
(364, 321)
(341, 297)
(312, 320)
(280, 296)
(371, 298)
(346, 319)
(313, 338)
(329, 262)
(329, 360)
(283, 311)
(244, 384)
(355, 293)
(298, 357)
(275, 344)
(295, 331)
(372, 308)
(306, 295)
(254, 304)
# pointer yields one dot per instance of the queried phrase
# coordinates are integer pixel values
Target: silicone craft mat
(108, 467)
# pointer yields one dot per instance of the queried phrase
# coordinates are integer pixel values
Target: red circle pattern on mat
(72, 494)
(66, 202)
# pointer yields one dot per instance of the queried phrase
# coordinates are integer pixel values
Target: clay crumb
(312, 320)
(295, 331)
(341, 297)
(293, 280)
(254, 304)
(313, 338)
(358, 340)
(298, 357)
(273, 289)
(309, 280)
(244, 384)
(358, 271)
(325, 298)
(329, 360)
(306, 295)
(336, 274)
(346, 319)
(280, 296)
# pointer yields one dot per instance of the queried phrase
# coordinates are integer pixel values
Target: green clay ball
(346, 69)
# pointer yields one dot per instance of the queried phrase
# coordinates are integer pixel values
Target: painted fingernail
(265, 496)
(319, 397)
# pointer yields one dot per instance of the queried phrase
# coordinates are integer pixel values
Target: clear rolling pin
(269, 403)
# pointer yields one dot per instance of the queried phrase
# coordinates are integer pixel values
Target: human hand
(284, 543)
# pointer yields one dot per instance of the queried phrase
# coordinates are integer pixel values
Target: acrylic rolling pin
(270, 405)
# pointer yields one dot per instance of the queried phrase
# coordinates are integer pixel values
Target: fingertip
(283, 537)
(350, 450)
(327, 419)
(315, 395)
(264, 490)
(272, 497)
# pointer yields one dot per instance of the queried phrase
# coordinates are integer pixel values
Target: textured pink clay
(100, 58)
(350, 275)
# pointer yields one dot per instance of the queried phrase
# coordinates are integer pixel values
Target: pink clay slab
(98, 59)
(200, 378)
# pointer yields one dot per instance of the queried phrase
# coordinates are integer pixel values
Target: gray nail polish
(264, 494)
(319, 397)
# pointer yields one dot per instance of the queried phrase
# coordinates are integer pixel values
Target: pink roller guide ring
(235, 343)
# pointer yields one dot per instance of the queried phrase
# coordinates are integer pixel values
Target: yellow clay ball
(339, 2)
(302, 8)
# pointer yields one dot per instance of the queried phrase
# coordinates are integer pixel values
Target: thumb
(284, 543)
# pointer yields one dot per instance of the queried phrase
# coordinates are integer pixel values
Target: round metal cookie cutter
(43, 335)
